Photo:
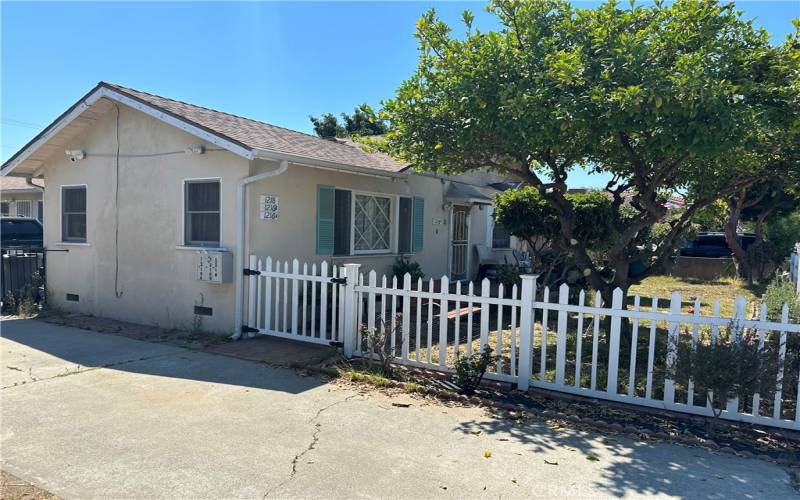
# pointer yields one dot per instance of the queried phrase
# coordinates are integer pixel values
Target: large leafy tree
(769, 161)
(363, 122)
(651, 95)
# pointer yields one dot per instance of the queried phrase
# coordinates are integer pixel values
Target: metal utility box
(214, 266)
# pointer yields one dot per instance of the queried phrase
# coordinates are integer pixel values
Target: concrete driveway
(88, 415)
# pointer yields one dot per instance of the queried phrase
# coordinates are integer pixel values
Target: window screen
(4, 208)
(73, 213)
(500, 236)
(202, 220)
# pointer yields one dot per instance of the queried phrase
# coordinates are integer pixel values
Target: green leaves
(682, 96)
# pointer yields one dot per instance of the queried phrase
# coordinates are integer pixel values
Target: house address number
(268, 208)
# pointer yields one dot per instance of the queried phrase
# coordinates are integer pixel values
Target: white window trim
(181, 240)
(61, 215)
(393, 201)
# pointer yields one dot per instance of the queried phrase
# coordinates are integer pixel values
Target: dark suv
(713, 245)
(20, 233)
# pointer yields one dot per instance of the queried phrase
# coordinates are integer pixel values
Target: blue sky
(275, 62)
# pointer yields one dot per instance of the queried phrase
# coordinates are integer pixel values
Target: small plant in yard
(735, 367)
(469, 370)
(378, 341)
(403, 265)
(27, 308)
(508, 275)
(781, 291)
(367, 378)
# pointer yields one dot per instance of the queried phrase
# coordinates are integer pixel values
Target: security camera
(75, 155)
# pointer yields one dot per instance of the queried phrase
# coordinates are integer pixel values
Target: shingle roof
(259, 135)
(15, 183)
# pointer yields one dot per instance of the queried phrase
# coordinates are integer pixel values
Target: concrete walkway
(87, 415)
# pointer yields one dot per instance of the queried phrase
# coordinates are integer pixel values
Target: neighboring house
(18, 198)
(139, 185)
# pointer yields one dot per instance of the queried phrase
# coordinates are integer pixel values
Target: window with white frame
(73, 214)
(372, 223)
(201, 222)
(355, 223)
(23, 208)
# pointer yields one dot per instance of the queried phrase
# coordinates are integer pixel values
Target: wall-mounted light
(195, 150)
(75, 154)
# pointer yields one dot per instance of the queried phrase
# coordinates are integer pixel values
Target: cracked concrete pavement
(88, 415)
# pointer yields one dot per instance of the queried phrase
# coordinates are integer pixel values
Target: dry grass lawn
(723, 289)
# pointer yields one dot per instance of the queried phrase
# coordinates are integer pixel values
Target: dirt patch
(13, 488)
(192, 340)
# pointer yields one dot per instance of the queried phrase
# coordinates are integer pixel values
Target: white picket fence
(285, 300)
(794, 267)
(573, 345)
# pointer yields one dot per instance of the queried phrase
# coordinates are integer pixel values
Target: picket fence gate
(593, 356)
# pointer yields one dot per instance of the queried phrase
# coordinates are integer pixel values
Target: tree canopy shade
(652, 95)
(363, 122)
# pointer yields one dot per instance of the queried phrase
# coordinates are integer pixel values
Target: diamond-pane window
(371, 223)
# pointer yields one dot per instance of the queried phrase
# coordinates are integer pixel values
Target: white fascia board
(262, 154)
(121, 98)
(48, 134)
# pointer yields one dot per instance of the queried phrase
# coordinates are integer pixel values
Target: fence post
(525, 368)
(350, 312)
(672, 347)
(252, 282)
(613, 342)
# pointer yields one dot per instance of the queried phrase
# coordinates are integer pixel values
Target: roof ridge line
(233, 115)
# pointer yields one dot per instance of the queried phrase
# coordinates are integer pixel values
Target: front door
(459, 242)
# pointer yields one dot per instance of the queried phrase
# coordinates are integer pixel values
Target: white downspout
(238, 259)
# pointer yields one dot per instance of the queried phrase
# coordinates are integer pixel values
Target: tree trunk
(738, 253)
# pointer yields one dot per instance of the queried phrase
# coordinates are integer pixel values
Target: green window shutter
(418, 231)
(326, 216)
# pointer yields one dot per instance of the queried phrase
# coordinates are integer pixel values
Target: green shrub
(781, 291)
(27, 308)
(733, 367)
(469, 370)
(403, 265)
(508, 275)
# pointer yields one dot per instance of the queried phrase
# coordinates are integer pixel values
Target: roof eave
(103, 90)
(264, 154)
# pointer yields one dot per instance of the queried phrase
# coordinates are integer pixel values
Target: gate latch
(339, 281)
(251, 272)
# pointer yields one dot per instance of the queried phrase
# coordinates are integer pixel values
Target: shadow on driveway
(61, 351)
(631, 466)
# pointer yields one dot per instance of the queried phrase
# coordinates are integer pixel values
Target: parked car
(713, 245)
(20, 233)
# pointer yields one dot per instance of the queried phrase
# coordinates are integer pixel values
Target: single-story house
(140, 188)
(21, 197)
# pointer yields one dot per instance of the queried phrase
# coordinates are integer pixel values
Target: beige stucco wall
(156, 278)
(293, 234)
(155, 275)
